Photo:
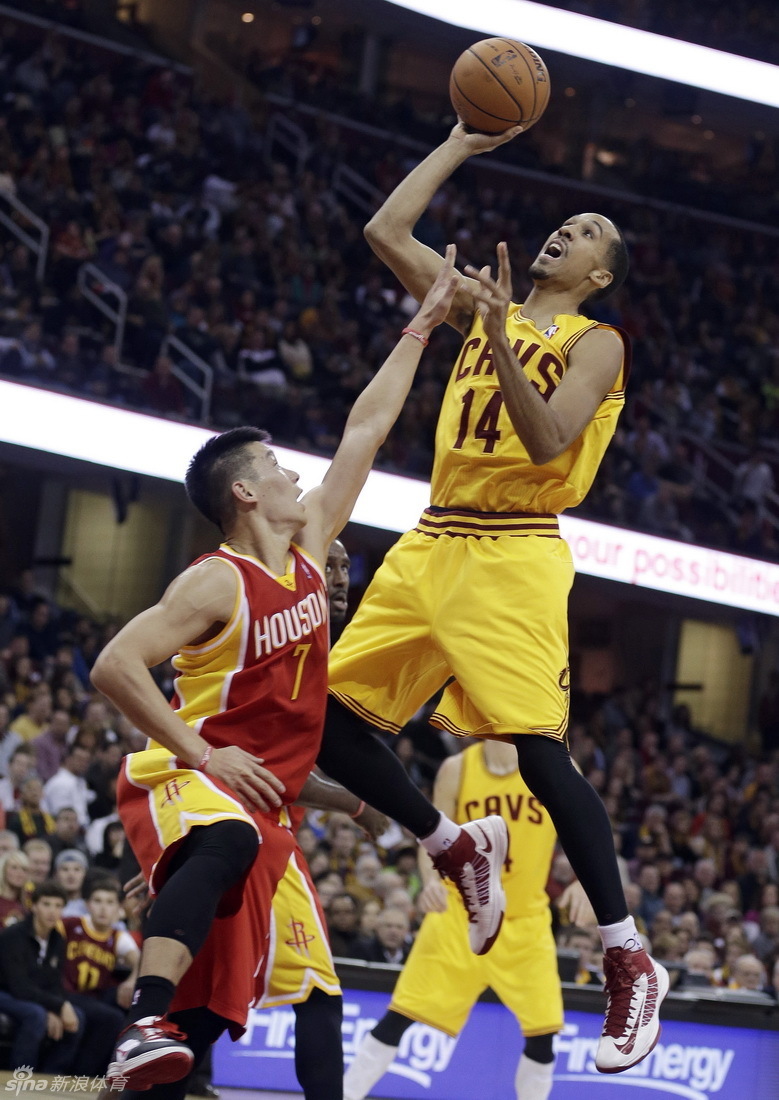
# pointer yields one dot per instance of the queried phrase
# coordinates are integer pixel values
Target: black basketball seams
(478, 107)
(531, 69)
(500, 83)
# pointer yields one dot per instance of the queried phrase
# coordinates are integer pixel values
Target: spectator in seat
(68, 787)
(9, 842)
(38, 852)
(70, 870)
(37, 713)
(162, 391)
(19, 767)
(31, 819)
(29, 357)
(748, 973)
(68, 833)
(51, 746)
(32, 954)
(14, 872)
(391, 942)
(96, 948)
(343, 920)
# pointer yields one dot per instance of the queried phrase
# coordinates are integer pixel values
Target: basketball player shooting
(479, 589)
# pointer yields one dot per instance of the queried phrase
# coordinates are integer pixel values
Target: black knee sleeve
(539, 1049)
(211, 860)
(580, 819)
(352, 754)
(391, 1027)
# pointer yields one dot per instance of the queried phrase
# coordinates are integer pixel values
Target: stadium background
(283, 131)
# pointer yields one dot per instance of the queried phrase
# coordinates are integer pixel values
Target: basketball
(499, 83)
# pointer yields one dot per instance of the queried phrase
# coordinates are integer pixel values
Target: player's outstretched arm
(433, 897)
(546, 428)
(390, 230)
(321, 793)
(373, 414)
(192, 609)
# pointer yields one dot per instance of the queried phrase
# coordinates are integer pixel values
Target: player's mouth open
(555, 250)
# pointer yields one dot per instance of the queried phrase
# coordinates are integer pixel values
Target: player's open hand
(243, 773)
(435, 307)
(372, 822)
(493, 297)
(474, 142)
(433, 897)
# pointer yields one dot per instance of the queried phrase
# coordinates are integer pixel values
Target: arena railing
(38, 245)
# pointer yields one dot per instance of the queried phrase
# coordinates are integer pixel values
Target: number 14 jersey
(480, 463)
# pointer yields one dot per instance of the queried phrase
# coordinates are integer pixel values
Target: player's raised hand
(492, 296)
(474, 142)
(435, 307)
(243, 773)
(433, 897)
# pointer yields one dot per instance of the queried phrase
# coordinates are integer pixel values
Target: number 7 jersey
(480, 463)
(261, 682)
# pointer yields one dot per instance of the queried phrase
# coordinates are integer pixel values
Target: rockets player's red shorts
(159, 802)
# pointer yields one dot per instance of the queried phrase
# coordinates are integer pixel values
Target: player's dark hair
(215, 467)
(49, 889)
(618, 263)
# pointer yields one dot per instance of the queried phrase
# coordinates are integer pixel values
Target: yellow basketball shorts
(490, 611)
(299, 950)
(443, 979)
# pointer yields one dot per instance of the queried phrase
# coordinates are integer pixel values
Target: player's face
(103, 909)
(580, 246)
(337, 577)
(276, 487)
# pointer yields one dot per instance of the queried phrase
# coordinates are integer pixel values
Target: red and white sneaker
(636, 986)
(150, 1052)
(474, 864)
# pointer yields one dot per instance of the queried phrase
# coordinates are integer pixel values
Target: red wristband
(359, 809)
(417, 336)
(201, 766)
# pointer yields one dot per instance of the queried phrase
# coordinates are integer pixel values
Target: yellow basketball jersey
(480, 464)
(531, 832)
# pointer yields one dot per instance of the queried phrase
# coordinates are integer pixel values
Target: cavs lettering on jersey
(532, 836)
(261, 682)
(480, 463)
(90, 956)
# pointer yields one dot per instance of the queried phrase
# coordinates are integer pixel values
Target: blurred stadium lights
(122, 440)
(610, 44)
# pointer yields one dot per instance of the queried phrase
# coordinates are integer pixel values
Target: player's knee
(539, 1048)
(233, 843)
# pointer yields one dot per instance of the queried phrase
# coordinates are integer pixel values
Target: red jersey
(261, 683)
(91, 956)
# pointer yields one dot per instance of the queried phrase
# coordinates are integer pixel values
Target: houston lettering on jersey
(261, 683)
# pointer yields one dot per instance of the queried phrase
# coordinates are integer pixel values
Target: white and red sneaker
(636, 986)
(150, 1052)
(474, 864)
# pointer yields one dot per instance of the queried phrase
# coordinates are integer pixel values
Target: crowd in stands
(696, 824)
(260, 268)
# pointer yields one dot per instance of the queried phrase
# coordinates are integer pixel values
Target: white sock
(371, 1062)
(441, 838)
(622, 934)
(534, 1079)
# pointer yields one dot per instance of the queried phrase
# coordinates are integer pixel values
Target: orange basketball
(499, 83)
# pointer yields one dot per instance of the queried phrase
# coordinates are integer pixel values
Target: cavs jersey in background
(91, 957)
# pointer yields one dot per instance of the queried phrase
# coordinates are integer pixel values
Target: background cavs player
(248, 626)
(479, 589)
(442, 979)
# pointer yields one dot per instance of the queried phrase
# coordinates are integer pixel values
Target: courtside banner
(693, 1061)
(124, 440)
